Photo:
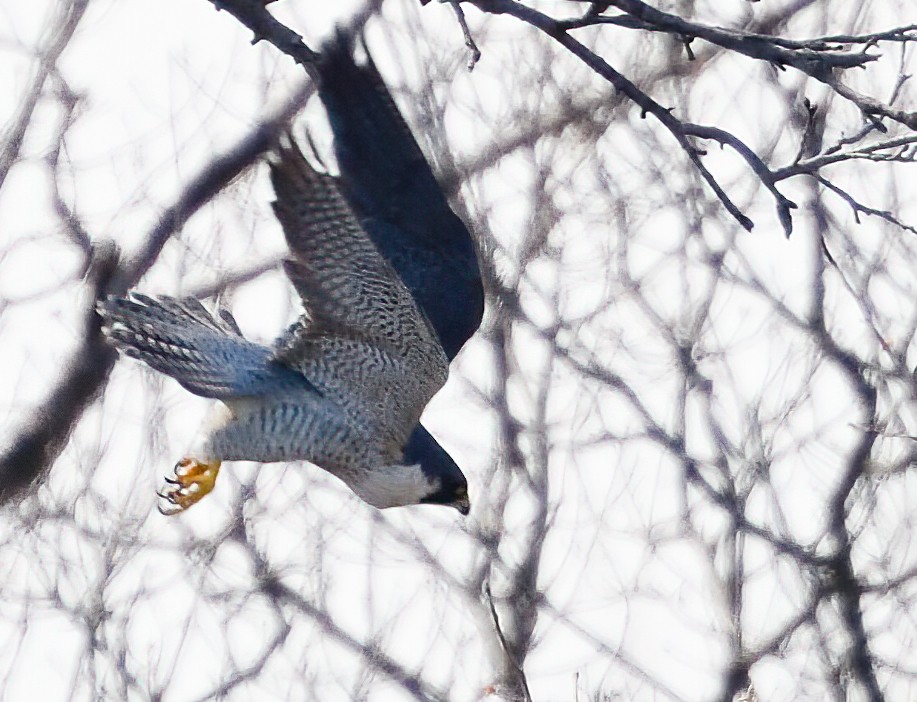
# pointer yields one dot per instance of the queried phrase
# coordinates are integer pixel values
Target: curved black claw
(192, 480)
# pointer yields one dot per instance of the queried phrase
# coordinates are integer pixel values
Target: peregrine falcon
(343, 388)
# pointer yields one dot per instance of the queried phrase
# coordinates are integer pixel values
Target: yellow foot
(193, 479)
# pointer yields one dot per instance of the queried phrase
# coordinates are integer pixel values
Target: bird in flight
(391, 288)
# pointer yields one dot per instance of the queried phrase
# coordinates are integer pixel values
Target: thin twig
(466, 32)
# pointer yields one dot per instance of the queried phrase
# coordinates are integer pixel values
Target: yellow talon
(193, 479)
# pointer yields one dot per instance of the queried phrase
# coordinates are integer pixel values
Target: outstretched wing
(348, 289)
(393, 191)
(207, 355)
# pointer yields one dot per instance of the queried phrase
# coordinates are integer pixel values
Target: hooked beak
(463, 506)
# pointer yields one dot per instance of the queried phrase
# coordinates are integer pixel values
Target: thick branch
(814, 58)
(846, 584)
(817, 58)
(647, 104)
(254, 15)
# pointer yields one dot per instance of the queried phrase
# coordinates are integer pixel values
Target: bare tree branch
(70, 14)
(819, 58)
(38, 443)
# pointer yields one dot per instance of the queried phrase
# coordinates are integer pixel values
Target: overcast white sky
(163, 85)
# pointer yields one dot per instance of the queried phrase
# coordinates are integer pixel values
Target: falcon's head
(447, 483)
(426, 474)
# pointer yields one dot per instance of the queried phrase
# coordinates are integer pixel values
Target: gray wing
(207, 355)
(393, 191)
(346, 284)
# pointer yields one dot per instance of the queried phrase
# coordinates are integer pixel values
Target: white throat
(394, 486)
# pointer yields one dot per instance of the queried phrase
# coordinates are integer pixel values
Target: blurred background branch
(690, 449)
